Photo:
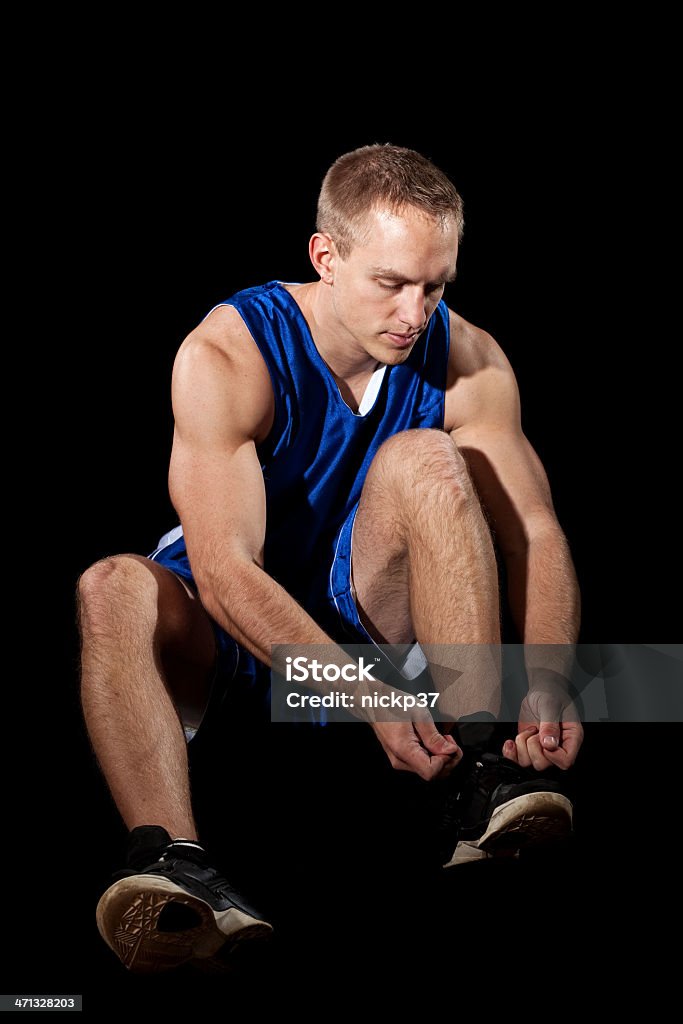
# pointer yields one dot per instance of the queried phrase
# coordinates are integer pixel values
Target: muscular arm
(222, 403)
(483, 418)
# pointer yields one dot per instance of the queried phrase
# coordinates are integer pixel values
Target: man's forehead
(384, 233)
(395, 245)
(384, 218)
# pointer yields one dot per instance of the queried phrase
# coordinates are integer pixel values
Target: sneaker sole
(524, 821)
(128, 914)
(466, 852)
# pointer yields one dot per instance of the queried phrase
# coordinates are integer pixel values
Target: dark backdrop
(151, 224)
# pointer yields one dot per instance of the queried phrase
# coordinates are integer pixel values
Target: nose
(411, 310)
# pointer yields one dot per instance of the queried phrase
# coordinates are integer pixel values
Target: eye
(389, 287)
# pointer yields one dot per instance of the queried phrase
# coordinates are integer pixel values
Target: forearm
(546, 604)
(543, 591)
(254, 609)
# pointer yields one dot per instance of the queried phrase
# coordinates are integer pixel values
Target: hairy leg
(148, 651)
(424, 567)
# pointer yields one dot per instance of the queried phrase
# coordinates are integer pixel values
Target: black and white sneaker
(170, 906)
(499, 809)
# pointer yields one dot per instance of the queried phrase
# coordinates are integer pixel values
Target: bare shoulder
(480, 376)
(224, 332)
(220, 358)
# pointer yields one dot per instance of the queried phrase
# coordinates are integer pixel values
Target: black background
(155, 218)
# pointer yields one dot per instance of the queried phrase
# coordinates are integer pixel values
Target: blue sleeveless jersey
(318, 452)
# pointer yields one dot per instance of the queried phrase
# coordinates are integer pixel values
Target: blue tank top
(318, 452)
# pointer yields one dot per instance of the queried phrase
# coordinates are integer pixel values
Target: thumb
(549, 734)
(549, 713)
(434, 741)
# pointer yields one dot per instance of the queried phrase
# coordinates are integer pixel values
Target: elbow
(542, 525)
(212, 602)
(539, 529)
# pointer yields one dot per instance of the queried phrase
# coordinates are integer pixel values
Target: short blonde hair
(382, 177)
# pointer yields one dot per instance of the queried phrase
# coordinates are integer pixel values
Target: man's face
(387, 289)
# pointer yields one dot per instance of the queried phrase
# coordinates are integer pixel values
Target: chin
(393, 356)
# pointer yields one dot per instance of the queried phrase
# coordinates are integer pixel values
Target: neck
(337, 346)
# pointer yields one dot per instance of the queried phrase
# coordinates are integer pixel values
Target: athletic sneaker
(499, 809)
(169, 906)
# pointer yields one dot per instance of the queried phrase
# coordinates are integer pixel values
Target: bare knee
(138, 604)
(420, 461)
(113, 586)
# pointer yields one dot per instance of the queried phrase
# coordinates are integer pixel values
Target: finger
(510, 751)
(523, 758)
(565, 756)
(537, 754)
(414, 758)
(434, 741)
(441, 767)
(443, 764)
(572, 744)
(449, 765)
(560, 758)
(429, 767)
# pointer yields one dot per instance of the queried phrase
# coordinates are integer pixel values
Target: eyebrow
(393, 275)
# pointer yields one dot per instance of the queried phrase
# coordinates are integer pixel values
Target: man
(358, 408)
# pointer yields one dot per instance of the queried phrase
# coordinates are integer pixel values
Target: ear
(323, 254)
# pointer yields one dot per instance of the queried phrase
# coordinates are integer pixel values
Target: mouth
(401, 340)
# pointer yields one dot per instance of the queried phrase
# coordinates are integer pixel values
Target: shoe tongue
(145, 844)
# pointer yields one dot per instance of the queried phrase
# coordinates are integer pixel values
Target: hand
(550, 733)
(418, 747)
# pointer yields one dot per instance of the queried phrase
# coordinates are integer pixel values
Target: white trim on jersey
(167, 539)
(372, 390)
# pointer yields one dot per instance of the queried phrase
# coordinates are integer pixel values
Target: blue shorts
(237, 669)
